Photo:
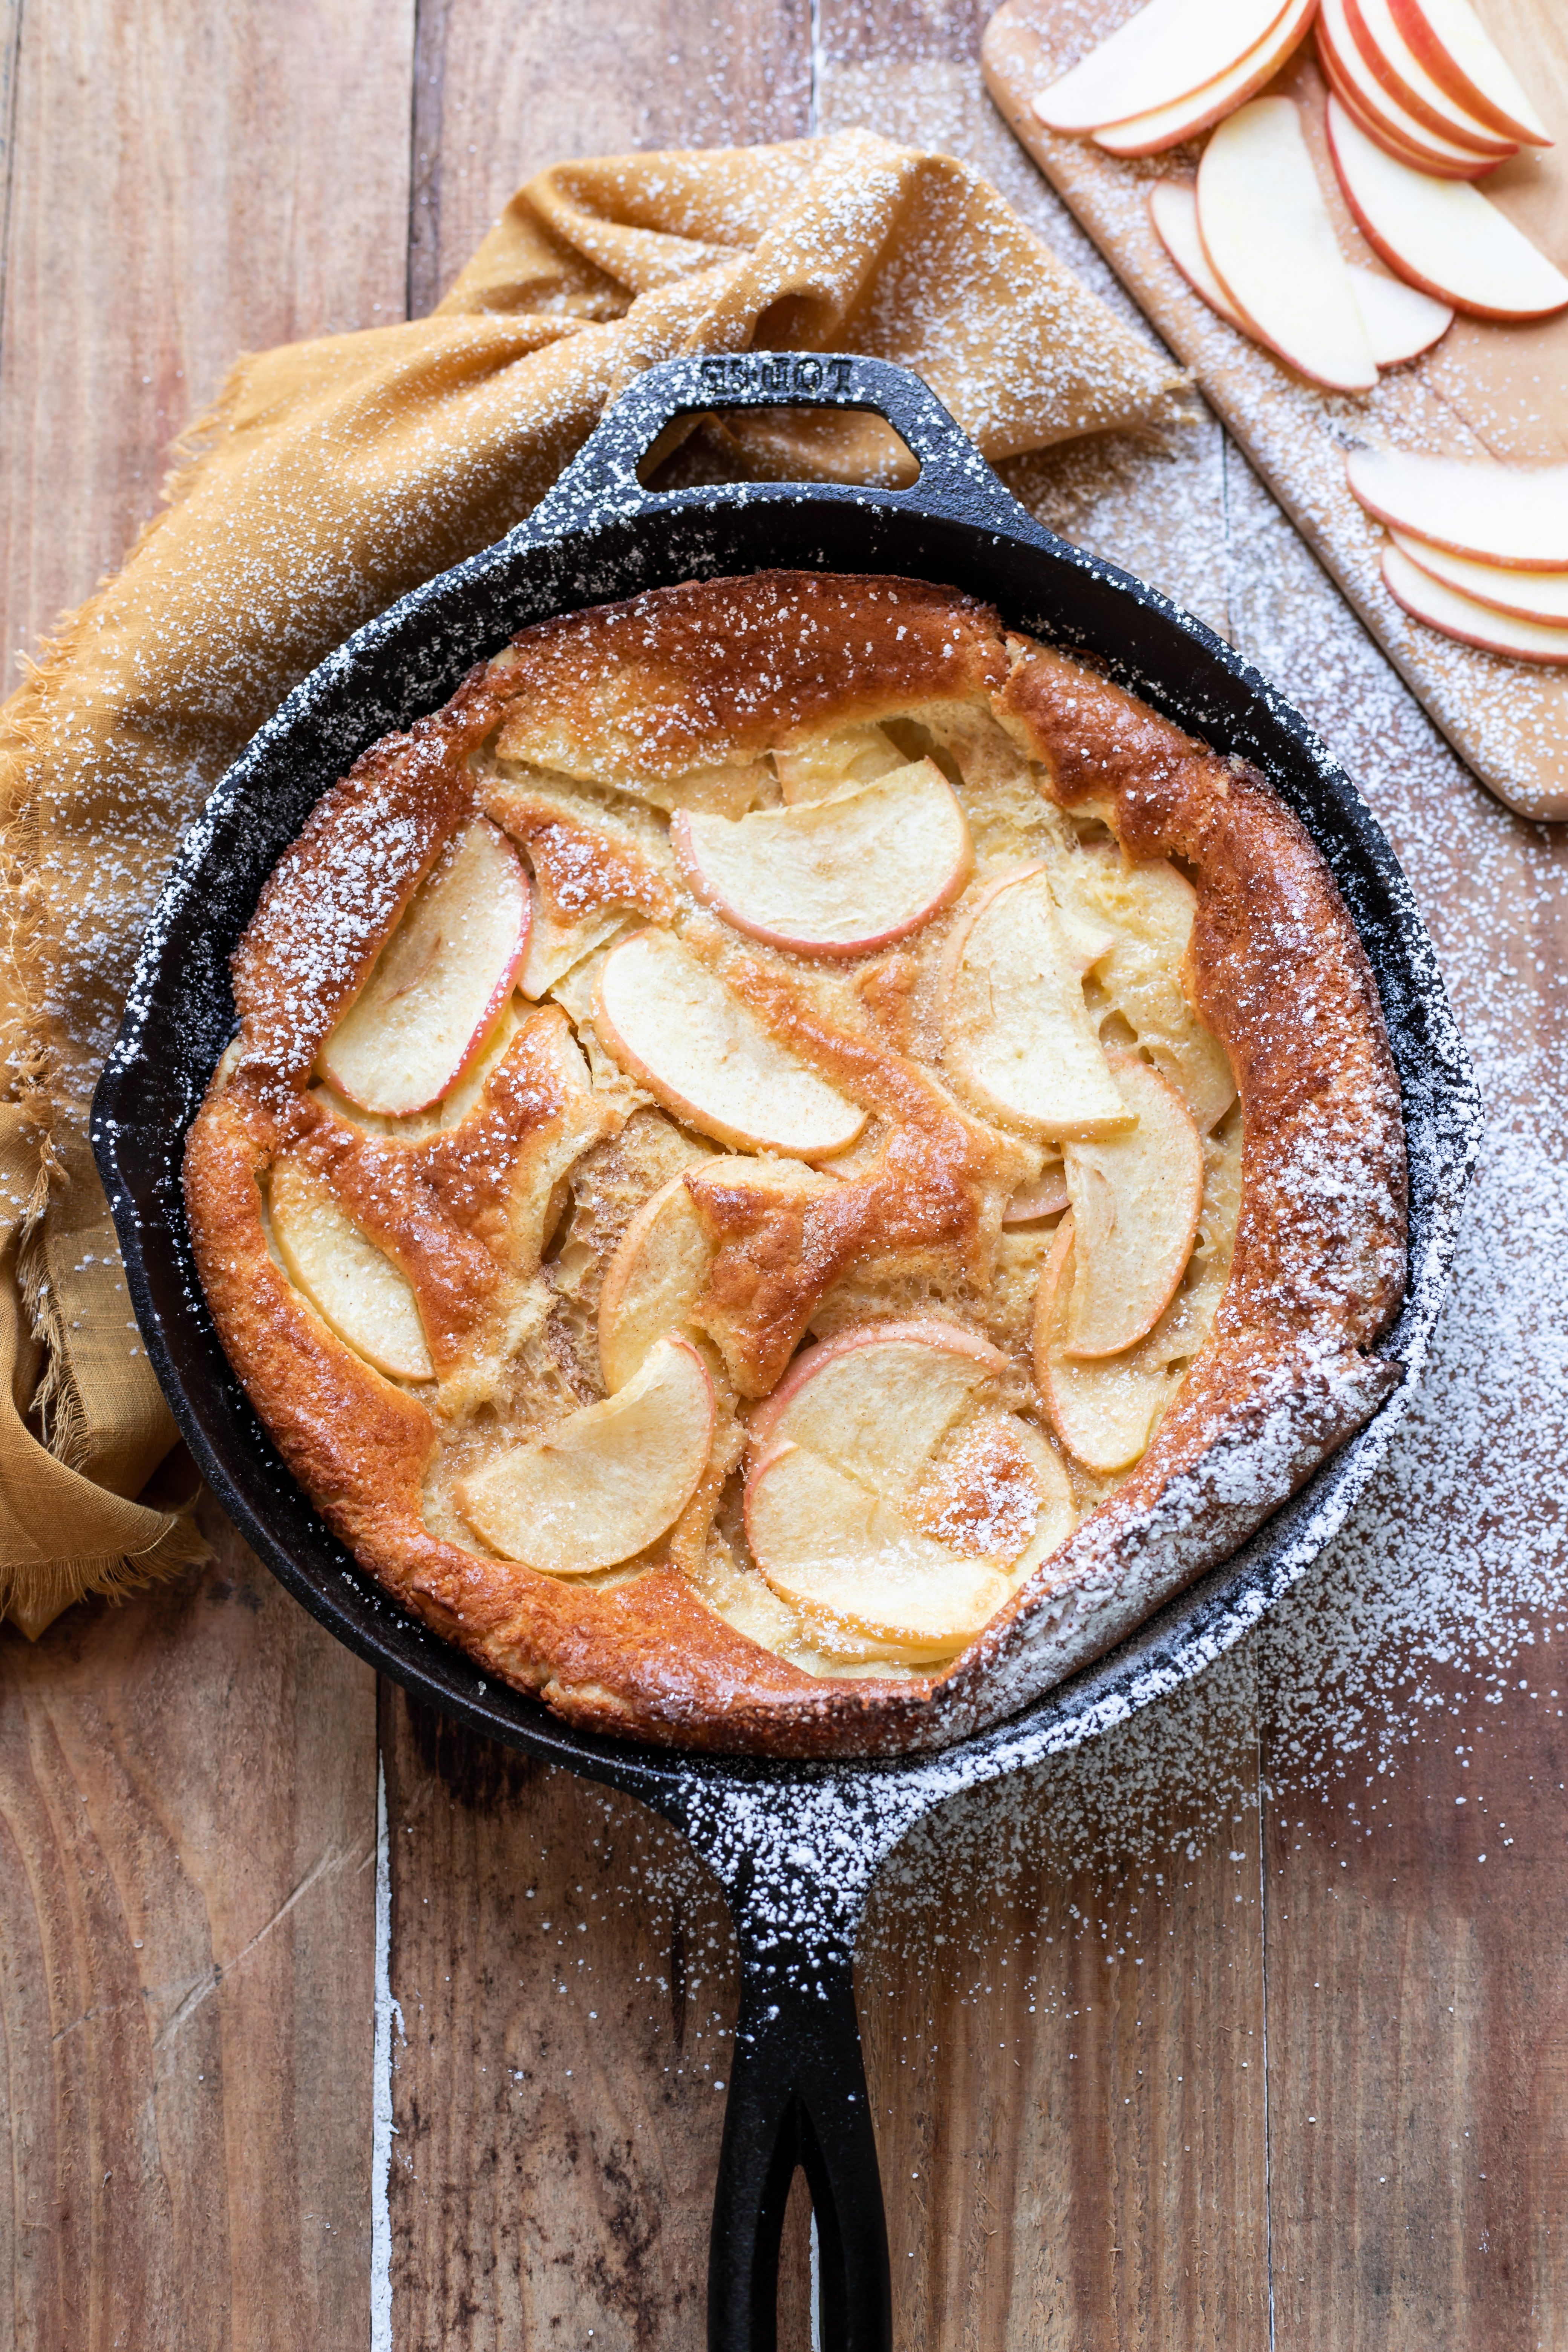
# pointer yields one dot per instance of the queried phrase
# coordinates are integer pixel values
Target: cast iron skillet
(795, 1845)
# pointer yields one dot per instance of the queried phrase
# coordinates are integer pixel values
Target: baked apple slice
(352, 1285)
(439, 984)
(822, 766)
(604, 1484)
(1135, 1202)
(888, 1502)
(1046, 1196)
(1016, 1032)
(674, 1025)
(840, 876)
(1104, 1410)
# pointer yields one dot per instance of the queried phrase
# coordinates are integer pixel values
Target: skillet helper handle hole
(797, 2097)
(602, 481)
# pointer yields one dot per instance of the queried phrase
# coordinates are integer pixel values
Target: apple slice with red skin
(602, 1485)
(1383, 49)
(1269, 241)
(1511, 515)
(1168, 126)
(1016, 1030)
(674, 1026)
(1461, 616)
(1045, 1197)
(1452, 44)
(887, 1503)
(440, 983)
(1441, 234)
(841, 877)
(1135, 1202)
(1394, 127)
(1400, 322)
(1104, 1410)
(352, 1283)
(1527, 596)
(1160, 56)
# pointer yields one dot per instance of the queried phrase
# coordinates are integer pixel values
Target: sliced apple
(1045, 1197)
(1104, 1411)
(653, 1282)
(1384, 49)
(1399, 321)
(840, 876)
(354, 1286)
(1135, 1202)
(1381, 115)
(439, 984)
(859, 1573)
(821, 766)
(1514, 515)
(1169, 49)
(1167, 126)
(879, 1401)
(890, 1500)
(1441, 234)
(1269, 241)
(1528, 596)
(673, 1025)
(1474, 624)
(1016, 1030)
(604, 1483)
(1452, 44)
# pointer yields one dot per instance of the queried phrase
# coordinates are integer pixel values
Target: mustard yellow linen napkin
(329, 477)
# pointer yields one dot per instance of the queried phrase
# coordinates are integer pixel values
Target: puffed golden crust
(703, 675)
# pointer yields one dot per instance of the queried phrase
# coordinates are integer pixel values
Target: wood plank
(1062, 1991)
(186, 1784)
(186, 1876)
(185, 184)
(566, 1978)
(493, 107)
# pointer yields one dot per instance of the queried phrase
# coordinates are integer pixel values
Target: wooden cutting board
(1485, 390)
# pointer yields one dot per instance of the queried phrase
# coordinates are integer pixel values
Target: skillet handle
(797, 2096)
(602, 480)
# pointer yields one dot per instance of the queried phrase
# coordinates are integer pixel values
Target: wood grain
(1488, 389)
(185, 184)
(187, 1835)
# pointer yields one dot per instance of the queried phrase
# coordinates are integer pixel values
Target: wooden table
(1248, 2027)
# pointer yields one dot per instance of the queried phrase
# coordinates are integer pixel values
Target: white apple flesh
(878, 1400)
(1269, 241)
(604, 1483)
(1453, 45)
(1169, 49)
(1513, 515)
(1381, 114)
(1441, 234)
(352, 1285)
(1135, 1202)
(1167, 126)
(674, 1025)
(1384, 49)
(1015, 1029)
(1528, 596)
(1399, 321)
(840, 876)
(1461, 616)
(439, 984)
